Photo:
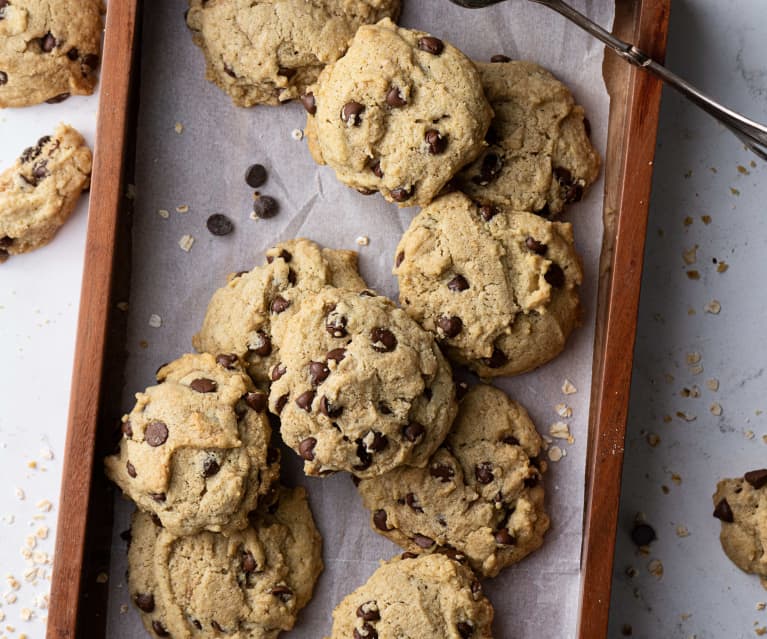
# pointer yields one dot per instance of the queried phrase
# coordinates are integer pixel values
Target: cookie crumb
(182, 208)
(102, 578)
(686, 416)
(681, 531)
(688, 221)
(560, 430)
(44, 505)
(155, 321)
(179, 128)
(761, 631)
(749, 434)
(297, 134)
(712, 384)
(163, 213)
(122, 306)
(693, 274)
(676, 478)
(706, 219)
(716, 409)
(362, 240)
(568, 388)
(734, 191)
(123, 609)
(563, 410)
(20, 494)
(713, 307)
(761, 605)
(693, 358)
(186, 242)
(130, 192)
(655, 568)
(653, 440)
(721, 267)
(556, 453)
(26, 614)
(690, 255)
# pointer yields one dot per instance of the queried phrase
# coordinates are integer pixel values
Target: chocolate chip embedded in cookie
(480, 499)
(39, 192)
(195, 449)
(400, 113)
(360, 386)
(425, 597)
(269, 52)
(498, 288)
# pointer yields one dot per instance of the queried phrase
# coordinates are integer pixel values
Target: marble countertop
(698, 389)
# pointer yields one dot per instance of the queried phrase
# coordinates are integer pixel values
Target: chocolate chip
(284, 255)
(394, 98)
(219, 224)
(310, 104)
(280, 403)
(366, 632)
(476, 588)
(337, 354)
(383, 340)
(216, 626)
(400, 258)
(379, 443)
(376, 169)
(500, 58)
(484, 472)
(159, 629)
(757, 478)
(306, 448)
(488, 212)
(256, 175)
(443, 472)
(489, 170)
(278, 371)
(229, 71)
(643, 534)
(329, 410)
(335, 325)
(379, 519)
(282, 592)
(431, 45)
(56, 99)
(159, 497)
(197, 624)
(286, 72)
(352, 113)
(40, 170)
(261, 345)
(555, 276)
(368, 611)
(131, 469)
(265, 206)
(458, 284)
(504, 537)
(496, 360)
(204, 385)
(412, 501)
(450, 326)
(145, 602)
(724, 512)
(535, 246)
(422, 541)
(402, 194)
(156, 520)
(48, 43)
(279, 305)
(210, 466)
(156, 433)
(436, 141)
(91, 61)
(465, 629)
(408, 555)
(510, 440)
(248, 562)
(227, 360)
(3, 78)
(127, 429)
(413, 431)
(366, 191)
(587, 127)
(305, 399)
(384, 409)
(318, 373)
(73, 54)
(363, 455)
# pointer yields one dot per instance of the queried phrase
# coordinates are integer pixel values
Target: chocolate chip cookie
(49, 50)
(540, 157)
(245, 318)
(252, 583)
(39, 192)
(360, 386)
(741, 505)
(270, 51)
(480, 498)
(498, 288)
(195, 448)
(400, 113)
(425, 597)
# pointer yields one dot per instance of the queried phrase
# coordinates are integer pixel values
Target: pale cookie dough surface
(540, 157)
(195, 448)
(498, 288)
(39, 192)
(270, 51)
(49, 49)
(248, 585)
(741, 505)
(481, 497)
(360, 386)
(400, 113)
(246, 317)
(429, 597)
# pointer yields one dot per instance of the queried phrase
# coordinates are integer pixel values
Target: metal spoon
(751, 133)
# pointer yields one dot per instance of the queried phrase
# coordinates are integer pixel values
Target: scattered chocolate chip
(757, 478)
(379, 519)
(555, 276)
(329, 410)
(368, 611)
(489, 171)
(488, 212)
(159, 497)
(376, 169)
(56, 99)
(159, 629)
(306, 448)
(127, 429)
(48, 43)
(535, 246)
(500, 58)
(366, 632)
(402, 194)
(412, 501)
(335, 325)
(496, 360)
(364, 456)
(305, 399)
(724, 512)
(337, 354)
(310, 104)
(318, 373)
(379, 443)
(278, 371)
(465, 629)
(458, 284)
(219, 224)
(262, 345)
(643, 534)
(256, 175)
(279, 305)
(400, 258)
(383, 340)
(91, 61)
(431, 45)
(352, 113)
(484, 472)
(443, 472)
(3, 78)
(394, 98)
(227, 360)
(156, 433)
(450, 326)
(422, 541)
(265, 206)
(131, 469)
(248, 562)
(436, 141)
(413, 431)
(280, 403)
(145, 602)
(282, 592)
(203, 385)
(504, 537)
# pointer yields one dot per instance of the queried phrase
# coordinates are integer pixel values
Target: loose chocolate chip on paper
(156, 433)
(431, 45)
(724, 512)
(643, 534)
(203, 385)
(306, 448)
(265, 207)
(757, 478)
(256, 175)
(219, 224)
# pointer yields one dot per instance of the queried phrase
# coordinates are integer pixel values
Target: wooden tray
(78, 599)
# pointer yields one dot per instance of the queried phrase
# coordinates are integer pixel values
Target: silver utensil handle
(751, 133)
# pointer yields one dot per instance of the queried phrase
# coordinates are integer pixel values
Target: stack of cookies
(451, 473)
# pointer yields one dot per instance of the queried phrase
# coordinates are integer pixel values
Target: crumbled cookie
(540, 157)
(251, 583)
(39, 192)
(49, 50)
(424, 597)
(400, 113)
(270, 51)
(360, 386)
(498, 288)
(247, 315)
(195, 449)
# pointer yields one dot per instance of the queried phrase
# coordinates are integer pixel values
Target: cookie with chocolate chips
(49, 50)
(270, 51)
(424, 597)
(39, 192)
(480, 499)
(400, 113)
(360, 386)
(741, 505)
(498, 288)
(251, 583)
(247, 316)
(195, 448)
(540, 157)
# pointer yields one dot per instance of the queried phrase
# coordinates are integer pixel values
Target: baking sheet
(192, 150)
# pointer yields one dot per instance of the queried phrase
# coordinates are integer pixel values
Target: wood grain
(92, 331)
(635, 112)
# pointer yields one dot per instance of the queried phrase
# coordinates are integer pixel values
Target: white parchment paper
(202, 167)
